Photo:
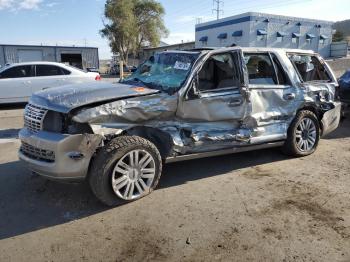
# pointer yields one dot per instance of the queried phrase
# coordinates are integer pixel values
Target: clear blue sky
(76, 22)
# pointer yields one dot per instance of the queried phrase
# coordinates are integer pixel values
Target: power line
(246, 8)
(217, 9)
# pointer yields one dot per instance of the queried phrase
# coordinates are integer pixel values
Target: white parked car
(18, 81)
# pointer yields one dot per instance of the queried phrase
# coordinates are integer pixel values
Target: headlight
(53, 122)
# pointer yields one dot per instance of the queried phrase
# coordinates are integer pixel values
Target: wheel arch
(161, 139)
(314, 108)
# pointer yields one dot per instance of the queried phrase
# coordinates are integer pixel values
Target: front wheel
(126, 169)
(303, 135)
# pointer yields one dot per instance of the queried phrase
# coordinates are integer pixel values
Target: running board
(223, 152)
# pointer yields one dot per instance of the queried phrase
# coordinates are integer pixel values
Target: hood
(66, 98)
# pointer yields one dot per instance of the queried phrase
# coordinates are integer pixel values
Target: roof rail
(202, 49)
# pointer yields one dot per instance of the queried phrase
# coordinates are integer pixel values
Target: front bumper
(331, 119)
(61, 162)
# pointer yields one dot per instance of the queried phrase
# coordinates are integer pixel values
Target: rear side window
(17, 72)
(66, 72)
(260, 69)
(281, 73)
(309, 68)
(48, 70)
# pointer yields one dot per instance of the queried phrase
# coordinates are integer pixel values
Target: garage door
(30, 55)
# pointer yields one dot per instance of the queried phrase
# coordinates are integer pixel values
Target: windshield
(164, 71)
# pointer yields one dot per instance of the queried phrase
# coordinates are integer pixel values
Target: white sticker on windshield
(182, 66)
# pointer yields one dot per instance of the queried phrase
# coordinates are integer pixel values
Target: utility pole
(199, 20)
(217, 9)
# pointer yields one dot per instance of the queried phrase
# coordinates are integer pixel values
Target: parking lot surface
(254, 206)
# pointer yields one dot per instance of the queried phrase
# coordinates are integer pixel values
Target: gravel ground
(339, 65)
(254, 206)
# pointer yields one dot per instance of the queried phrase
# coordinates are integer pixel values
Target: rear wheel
(126, 169)
(303, 134)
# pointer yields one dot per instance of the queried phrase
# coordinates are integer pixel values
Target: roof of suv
(244, 49)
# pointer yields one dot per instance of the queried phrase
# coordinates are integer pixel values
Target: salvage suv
(178, 105)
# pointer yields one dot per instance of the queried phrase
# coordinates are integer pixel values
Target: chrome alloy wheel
(305, 135)
(133, 175)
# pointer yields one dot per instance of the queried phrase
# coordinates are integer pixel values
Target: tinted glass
(48, 70)
(260, 69)
(66, 72)
(281, 74)
(17, 72)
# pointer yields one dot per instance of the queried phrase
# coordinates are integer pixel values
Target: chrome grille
(37, 153)
(33, 117)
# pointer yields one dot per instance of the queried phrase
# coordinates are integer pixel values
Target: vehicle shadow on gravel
(12, 106)
(9, 133)
(180, 173)
(29, 202)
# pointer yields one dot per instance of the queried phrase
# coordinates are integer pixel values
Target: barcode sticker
(182, 66)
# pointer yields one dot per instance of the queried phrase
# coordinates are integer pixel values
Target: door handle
(289, 96)
(235, 102)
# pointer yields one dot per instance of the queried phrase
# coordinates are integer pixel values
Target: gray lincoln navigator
(179, 105)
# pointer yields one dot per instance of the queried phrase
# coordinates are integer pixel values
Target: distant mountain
(343, 26)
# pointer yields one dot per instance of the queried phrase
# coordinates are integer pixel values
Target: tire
(300, 143)
(120, 162)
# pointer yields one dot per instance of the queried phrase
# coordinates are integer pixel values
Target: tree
(338, 36)
(132, 24)
(150, 23)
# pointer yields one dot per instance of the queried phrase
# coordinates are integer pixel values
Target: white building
(266, 30)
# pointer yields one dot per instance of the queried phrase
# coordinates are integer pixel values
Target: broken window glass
(310, 68)
(220, 71)
(164, 71)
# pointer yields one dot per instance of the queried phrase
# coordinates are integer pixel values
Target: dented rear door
(274, 99)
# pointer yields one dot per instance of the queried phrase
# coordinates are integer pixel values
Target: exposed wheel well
(162, 140)
(316, 111)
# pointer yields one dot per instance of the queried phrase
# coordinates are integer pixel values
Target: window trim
(12, 67)
(276, 72)
(35, 66)
(298, 73)
(262, 86)
(224, 89)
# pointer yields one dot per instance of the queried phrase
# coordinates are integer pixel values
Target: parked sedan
(344, 84)
(18, 81)
(93, 69)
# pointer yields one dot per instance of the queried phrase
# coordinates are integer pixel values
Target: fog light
(75, 155)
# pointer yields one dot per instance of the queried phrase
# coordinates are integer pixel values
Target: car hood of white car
(66, 98)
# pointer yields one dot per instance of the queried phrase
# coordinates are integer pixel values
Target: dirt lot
(256, 206)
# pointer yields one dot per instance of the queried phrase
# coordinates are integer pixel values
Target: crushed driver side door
(213, 108)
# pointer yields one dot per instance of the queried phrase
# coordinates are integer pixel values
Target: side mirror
(151, 59)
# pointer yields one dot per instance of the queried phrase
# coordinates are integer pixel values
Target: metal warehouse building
(265, 30)
(81, 57)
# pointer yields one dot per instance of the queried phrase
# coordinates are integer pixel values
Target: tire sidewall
(108, 163)
(301, 116)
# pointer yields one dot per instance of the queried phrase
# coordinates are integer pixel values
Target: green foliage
(338, 36)
(132, 24)
(343, 26)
